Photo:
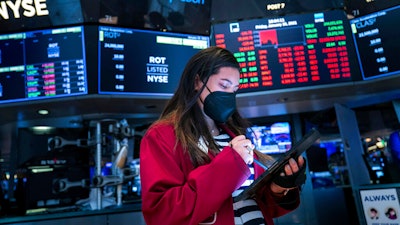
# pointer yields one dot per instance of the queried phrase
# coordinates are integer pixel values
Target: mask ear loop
(197, 95)
(202, 89)
(208, 89)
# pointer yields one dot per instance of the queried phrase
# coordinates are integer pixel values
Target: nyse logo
(29, 8)
(157, 69)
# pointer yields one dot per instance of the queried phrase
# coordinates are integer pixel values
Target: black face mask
(219, 105)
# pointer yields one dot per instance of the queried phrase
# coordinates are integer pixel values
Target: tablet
(274, 168)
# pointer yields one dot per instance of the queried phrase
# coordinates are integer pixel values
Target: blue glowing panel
(42, 64)
(375, 39)
(142, 62)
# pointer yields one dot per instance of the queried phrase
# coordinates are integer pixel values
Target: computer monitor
(181, 16)
(377, 49)
(42, 64)
(144, 62)
(301, 50)
(358, 8)
(271, 138)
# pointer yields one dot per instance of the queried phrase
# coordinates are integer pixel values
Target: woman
(191, 169)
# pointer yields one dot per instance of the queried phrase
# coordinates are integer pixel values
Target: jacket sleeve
(273, 207)
(175, 193)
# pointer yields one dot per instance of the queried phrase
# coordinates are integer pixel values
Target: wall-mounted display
(42, 64)
(374, 36)
(290, 51)
(143, 62)
(250, 9)
(358, 8)
(182, 16)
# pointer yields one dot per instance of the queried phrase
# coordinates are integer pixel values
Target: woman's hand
(291, 177)
(244, 147)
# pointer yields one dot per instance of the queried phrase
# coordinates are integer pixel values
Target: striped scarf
(246, 211)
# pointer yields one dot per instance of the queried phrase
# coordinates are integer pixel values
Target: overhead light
(42, 170)
(42, 129)
(43, 111)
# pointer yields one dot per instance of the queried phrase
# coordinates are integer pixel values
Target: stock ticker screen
(375, 40)
(290, 51)
(42, 64)
(144, 62)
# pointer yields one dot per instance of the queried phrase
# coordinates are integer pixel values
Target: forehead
(227, 73)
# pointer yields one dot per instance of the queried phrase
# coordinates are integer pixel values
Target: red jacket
(174, 192)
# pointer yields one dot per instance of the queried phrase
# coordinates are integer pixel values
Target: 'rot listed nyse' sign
(22, 8)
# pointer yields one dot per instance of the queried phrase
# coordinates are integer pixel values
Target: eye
(223, 86)
(227, 85)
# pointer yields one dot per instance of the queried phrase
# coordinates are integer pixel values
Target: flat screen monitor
(143, 62)
(290, 51)
(358, 8)
(42, 64)
(273, 138)
(376, 44)
(250, 9)
(182, 16)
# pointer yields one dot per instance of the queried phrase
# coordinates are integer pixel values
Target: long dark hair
(185, 114)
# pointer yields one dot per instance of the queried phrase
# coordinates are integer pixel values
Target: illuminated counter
(126, 214)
